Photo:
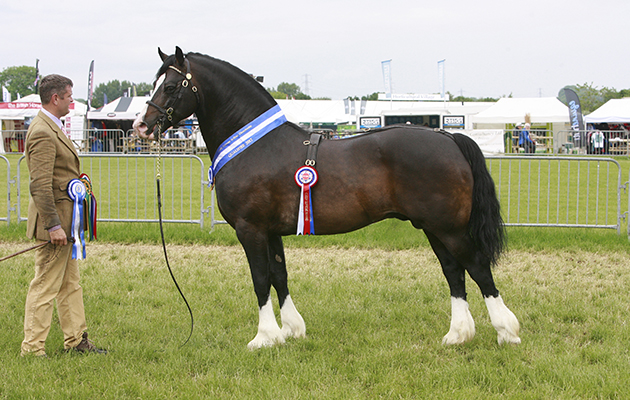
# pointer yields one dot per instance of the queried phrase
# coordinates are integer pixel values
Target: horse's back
(405, 172)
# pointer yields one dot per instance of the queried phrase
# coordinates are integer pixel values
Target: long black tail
(486, 225)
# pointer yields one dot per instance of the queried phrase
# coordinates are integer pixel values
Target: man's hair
(51, 84)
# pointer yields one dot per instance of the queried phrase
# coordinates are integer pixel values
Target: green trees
(288, 91)
(591, 97)
(115, 89)
(19, 80)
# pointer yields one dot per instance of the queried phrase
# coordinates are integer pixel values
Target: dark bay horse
(436, 180)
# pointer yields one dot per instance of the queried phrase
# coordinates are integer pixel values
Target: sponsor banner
(412, 97)
(490, 141)
(453, 121)
(575, 116)
(441, 76)
(90, 86)
(24, 105)
(6, 96)
(387, 77)
(369, 122)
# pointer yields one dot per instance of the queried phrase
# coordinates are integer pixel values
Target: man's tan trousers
(56, 278)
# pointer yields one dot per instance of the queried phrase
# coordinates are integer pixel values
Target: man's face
(63, 102)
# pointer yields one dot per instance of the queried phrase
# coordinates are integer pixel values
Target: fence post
(8, 190)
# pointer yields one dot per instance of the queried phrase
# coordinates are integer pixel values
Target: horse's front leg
(292, 322)
(256, 245)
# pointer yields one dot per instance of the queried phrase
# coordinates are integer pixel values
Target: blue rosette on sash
(77, 192)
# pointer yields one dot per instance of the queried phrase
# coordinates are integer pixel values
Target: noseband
(166, 112)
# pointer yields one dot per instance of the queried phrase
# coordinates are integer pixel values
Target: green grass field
(376, 307)
(375, 304)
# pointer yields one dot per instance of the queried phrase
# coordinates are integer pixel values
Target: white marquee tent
(334, 111)
(543, 110)
(614, 111)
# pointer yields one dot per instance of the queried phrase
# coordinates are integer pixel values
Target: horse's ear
(179, 55)
(162, 55)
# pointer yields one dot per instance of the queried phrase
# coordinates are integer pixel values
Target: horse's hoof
(453, 337)
(266, 340)
(508, 339)
(292, 322)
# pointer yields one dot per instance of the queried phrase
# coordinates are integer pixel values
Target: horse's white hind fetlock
(462, 323)
(503, 320)
(269, 333)
(292, 322)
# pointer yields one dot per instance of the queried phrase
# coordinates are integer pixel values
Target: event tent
(123, 108)
(613, 111)
(313, 112)
(29, 106)
(543, 110)
(16, 115)
(345, 112)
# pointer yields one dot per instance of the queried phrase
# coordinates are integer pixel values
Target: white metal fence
(86, 141)
(613, 142)
(584, 192)
(6, 187)
(125, 187)
(580, 192)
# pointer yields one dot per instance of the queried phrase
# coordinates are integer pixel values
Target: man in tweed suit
(52, 163)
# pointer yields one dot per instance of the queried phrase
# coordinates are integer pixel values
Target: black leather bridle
(166, 112)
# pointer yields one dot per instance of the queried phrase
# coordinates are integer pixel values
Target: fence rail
(7, 216)
(580, 192)
(559, 191)
(87, 141)
(125, 190)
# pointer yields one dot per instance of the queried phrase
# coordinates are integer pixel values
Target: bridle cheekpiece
(166, 112)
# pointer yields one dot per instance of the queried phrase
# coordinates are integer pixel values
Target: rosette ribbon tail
(90, 206)
(305, 178)
(93, 210)
(77, 192)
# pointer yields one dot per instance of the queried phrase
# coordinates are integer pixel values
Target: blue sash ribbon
(245, 137)
(77, 192)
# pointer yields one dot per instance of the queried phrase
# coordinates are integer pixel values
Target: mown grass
(374, 318)
(376, 307)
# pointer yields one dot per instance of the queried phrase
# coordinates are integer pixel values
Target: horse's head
(175, 96)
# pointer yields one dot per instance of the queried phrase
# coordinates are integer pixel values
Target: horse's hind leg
(478, 267)
(292, 322)
(256, 247)
(462, 324)
(503, 320)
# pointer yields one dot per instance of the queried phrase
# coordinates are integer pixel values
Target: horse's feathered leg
(462, 324)
(292, 322)
(503, 320)
(256, 245)
(478, 267)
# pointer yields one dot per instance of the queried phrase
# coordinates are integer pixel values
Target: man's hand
(58, 237)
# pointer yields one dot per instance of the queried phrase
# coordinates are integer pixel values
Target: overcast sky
(333, 48)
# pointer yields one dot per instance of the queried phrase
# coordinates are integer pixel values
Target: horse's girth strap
(311, 153)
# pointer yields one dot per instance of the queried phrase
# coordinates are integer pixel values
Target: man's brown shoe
(86, 346)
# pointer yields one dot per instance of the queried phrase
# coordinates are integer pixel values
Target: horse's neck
(223, 114)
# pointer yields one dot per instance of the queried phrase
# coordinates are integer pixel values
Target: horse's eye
(169, 89)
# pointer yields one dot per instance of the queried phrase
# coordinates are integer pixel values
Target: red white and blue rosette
(306, 177)
(77, 192)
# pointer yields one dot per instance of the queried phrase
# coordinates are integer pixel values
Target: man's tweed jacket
(53, 162)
